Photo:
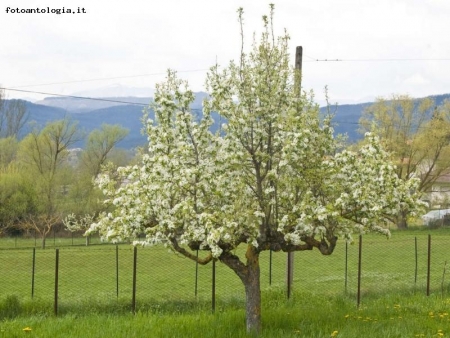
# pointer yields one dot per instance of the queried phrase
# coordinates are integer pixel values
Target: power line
(108, 78)
(75, 97)
(310, 57)
(375, 60)
(146, 105)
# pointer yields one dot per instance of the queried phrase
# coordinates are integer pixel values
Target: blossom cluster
(274, 174)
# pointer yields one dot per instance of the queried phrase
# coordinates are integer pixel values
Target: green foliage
(43, 155)
(8, 150)
(37, 180)
(417, 134)
(10, 307)
(99, 145)
(18, 197)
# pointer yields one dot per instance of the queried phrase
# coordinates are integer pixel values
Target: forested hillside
(129, 115)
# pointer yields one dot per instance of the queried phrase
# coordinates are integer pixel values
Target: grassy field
(305, 315)
(321, 304)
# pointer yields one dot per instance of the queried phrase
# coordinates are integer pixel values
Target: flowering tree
(74, 223)
(273, 179)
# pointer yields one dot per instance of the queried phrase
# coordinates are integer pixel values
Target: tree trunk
(43, 241)
(250, 276)
(402, 220)
(253, 292)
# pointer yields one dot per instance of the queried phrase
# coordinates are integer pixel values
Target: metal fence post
(196, 276)
(270, 267)
(289, 274)
(415, 271)
(358, 301)
(117, 270)
(32, 272)
(213, 296)
(429, 265)
(55, 308)
(346, 267)
(133, 300)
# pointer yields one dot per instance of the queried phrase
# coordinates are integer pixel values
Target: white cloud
(416, 80)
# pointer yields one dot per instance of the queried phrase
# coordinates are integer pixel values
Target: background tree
(417, 133)
(272, 181)
(43, 158)
(100, 150)
(41, 224)
(13, 116)
(8, 150)
(18, 198)
(80, 223)
(99, 146)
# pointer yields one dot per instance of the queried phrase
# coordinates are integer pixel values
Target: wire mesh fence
(75, 274)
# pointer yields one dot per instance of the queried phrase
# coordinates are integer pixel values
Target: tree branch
(185, 253)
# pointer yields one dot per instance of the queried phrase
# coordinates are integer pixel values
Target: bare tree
(13, 116)
(41, 224)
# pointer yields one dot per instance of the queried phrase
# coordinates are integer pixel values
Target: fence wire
(104, 273)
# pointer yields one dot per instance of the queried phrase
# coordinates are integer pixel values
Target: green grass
(306, 315)
(168, 307)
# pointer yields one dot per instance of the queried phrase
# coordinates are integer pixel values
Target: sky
(385, 46)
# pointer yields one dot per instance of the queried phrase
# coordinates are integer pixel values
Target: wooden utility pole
(298, 62)
(290, 256)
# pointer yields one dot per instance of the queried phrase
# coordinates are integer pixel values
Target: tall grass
(305, 315)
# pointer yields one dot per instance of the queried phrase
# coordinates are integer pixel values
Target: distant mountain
(346, 119)
(117, 90)
(91, 114)
(128, 116)
(78, 105)
(94, 113)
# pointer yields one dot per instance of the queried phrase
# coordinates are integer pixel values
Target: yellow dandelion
(334, 334)
(26, 329)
